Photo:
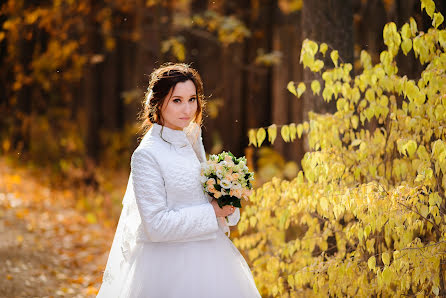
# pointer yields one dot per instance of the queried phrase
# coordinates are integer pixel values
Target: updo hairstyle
(162, 80)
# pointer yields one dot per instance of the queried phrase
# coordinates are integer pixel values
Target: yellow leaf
(252, 221)
(386, 258)
(387, 275)
(411, 147)
(299, 130)
(324, 204)
(311, 46)
(429, 5)
(19, 239)
(442, 38)
(372, 263)
(291, 88)
(435, 290)
(424, 211)
(438, 19)
(92, 291)
(252, 137)
(292, 127)
(355, 121)
(317, 65)
(406, 46)
(301, 88)
(316, 87)
(272, 133)
(291, 281)
(323, 48)
(285, 132)
(413, 26)
(91, 218)
(261, 135)
(405, 31)
(334, 55)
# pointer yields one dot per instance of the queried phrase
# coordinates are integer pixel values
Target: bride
(170, 241)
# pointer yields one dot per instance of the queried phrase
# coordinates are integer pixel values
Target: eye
(192, 99)
(176, 100)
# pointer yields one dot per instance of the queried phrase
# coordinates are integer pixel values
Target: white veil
(124, 242)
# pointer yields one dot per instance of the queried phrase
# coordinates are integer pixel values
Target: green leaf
(261, 135)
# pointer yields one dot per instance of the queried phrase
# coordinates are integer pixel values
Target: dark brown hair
(162, 80)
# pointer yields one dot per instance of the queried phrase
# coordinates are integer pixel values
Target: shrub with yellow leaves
(366, 216)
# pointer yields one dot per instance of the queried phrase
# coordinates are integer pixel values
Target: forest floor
(48, 247)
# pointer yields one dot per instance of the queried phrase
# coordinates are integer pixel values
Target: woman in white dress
(170, 241)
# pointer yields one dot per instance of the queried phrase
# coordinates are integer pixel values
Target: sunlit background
(73, 76)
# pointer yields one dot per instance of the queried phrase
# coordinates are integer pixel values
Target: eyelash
(178, 100)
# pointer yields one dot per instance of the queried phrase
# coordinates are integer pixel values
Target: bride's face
(180, 106)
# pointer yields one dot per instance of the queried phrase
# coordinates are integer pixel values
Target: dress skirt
(197, 269)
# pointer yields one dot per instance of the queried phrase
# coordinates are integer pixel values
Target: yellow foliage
(366, 215)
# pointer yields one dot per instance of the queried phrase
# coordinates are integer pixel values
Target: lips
(186, 118)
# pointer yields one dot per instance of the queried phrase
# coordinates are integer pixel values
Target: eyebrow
(190, 96)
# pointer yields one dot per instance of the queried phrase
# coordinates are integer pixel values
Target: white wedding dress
(168, 242)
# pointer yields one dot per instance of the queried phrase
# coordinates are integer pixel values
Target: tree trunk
(286, 108)
(329, 21)
(92, 91)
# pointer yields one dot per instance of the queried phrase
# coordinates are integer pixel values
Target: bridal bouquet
(227, 179)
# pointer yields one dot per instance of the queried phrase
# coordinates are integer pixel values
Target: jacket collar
(179, 138)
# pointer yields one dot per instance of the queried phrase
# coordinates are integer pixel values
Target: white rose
(225, 183)
(236, 185)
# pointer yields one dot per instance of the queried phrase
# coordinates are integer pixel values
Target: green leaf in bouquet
(236, 203)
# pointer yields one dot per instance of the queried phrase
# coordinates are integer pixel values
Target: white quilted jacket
(166, 180)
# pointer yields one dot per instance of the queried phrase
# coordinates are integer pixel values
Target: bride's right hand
(222, 212)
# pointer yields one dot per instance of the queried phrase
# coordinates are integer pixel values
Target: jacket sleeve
(161, 223)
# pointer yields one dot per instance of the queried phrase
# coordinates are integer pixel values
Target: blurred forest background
(73, 75)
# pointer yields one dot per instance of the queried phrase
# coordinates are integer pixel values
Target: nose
(188, 108)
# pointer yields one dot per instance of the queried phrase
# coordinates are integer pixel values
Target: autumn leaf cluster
(366, 215)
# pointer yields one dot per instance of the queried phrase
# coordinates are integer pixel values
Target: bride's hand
(222, 212)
